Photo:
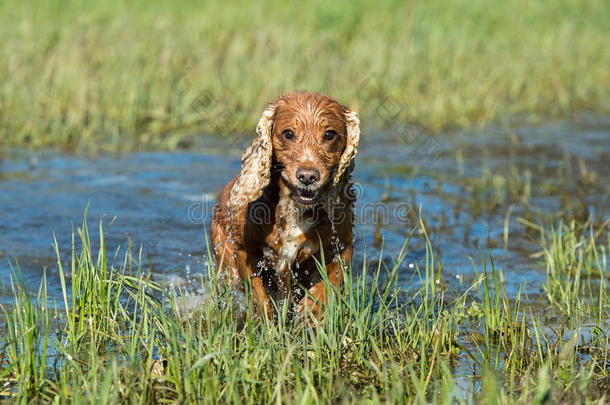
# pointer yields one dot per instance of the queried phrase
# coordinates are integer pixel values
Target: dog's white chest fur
(293, 239)
(292, 234)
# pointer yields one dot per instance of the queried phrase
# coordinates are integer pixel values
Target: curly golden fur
(292, 196)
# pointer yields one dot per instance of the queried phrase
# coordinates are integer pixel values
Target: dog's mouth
(305, 196)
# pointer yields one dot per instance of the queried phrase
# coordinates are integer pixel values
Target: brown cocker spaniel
(292, 196)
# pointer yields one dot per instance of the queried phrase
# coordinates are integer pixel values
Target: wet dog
(291, 205)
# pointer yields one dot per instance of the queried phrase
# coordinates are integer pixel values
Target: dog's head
(309, 138)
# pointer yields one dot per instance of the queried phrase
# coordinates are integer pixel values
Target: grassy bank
(131, 74)
(117, 338)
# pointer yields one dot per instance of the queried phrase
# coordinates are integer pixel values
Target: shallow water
(163, 200)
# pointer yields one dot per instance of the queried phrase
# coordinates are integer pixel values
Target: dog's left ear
(255, 164)
(352, 124)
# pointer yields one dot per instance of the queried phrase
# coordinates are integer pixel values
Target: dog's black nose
(308, 175)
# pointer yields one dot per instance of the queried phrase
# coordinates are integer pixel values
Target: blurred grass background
(134, 74)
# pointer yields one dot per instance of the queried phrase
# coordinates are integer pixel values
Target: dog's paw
(310, 310)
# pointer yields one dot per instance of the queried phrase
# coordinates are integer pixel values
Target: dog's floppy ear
(255, 164)
(352, 124)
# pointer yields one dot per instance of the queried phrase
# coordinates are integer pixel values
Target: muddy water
(162, 201)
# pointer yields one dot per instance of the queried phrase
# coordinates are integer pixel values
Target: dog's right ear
(255, 164)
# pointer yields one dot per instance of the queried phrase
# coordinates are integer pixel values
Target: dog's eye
(330, 135)
(288, 134)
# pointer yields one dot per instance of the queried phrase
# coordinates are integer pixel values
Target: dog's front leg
(284, 279)
(246, 268)
(316, 296)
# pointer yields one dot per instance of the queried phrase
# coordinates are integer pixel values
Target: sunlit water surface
(164, 201)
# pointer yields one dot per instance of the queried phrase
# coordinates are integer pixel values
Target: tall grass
(576, 258)
(117, 337)
(125, 75)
